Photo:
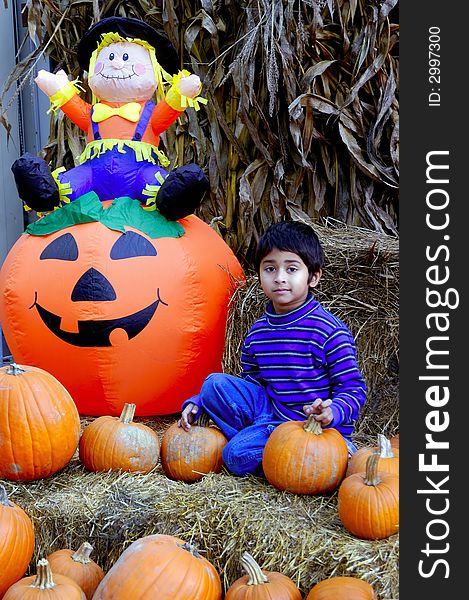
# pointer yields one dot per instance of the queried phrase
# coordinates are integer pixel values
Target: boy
(297, 359)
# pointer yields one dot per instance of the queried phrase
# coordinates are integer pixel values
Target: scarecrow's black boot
(182, 192)
(35, 184)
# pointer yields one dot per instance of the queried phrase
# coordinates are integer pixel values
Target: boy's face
(284, 280)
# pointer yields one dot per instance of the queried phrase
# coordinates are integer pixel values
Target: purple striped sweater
(302, 355)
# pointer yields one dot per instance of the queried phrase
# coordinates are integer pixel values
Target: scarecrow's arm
(183, 93)
(64, 95)
(78, 111)
(163, 116)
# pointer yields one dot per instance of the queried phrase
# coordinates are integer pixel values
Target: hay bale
(222, 515)
(360, 285)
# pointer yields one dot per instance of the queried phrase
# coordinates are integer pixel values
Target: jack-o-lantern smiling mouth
(98, 333)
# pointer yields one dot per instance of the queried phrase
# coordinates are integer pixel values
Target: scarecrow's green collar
(123, 211)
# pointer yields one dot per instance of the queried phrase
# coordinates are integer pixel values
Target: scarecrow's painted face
(123, 73)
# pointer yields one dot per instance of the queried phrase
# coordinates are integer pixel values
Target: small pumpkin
(118, 443)
(368, 503)
(39, 424)
(395, 441)
(45, 585)
(78, 566)
(258, 584)
(189, 455)
(16, 541)
(303, 458)
(342, 588)
(163, 567)
(389, 457)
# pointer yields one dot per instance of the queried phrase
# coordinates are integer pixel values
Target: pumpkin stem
(82, 555)
(4, 497)
(190, 548)
(253, 570)
(14, 369)
(128, 413)
(43, 579)
(203, 420)
(313, 426)
(384, 447)
(371, 469)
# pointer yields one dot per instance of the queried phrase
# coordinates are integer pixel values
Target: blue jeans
(243, 411)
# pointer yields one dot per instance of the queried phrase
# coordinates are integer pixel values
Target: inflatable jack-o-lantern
(118, 315)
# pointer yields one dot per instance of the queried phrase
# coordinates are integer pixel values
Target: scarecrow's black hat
(129, 28)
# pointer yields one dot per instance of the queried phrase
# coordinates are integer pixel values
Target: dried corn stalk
(302, 119)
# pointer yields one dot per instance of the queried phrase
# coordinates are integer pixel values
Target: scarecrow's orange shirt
(116, 127)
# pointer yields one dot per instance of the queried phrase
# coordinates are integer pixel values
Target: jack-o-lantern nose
(93, 287)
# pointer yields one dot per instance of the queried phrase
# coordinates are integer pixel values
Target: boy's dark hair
(291, 236)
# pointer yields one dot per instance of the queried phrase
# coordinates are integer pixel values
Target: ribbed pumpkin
(258, 584)
(39, 424)
(189, 455)
(161, 567)
(342, 588)
(114, 443)
(389, 457)
(78, 566)
(303, 458)
(16, 541)
(45, 585)
(368, 503)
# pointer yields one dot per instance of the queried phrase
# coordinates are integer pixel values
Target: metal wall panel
(27, 113)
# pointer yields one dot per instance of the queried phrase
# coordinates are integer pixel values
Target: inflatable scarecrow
(120, 304)
(127, 62)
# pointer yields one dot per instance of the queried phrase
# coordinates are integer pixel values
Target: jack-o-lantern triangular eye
(132, 244)
(62, 248)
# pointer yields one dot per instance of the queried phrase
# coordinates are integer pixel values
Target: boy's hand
(187, 416)
(321, 409)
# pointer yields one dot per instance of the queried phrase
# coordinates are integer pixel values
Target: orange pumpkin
(189, 455)
(303, 458)
(78, 566)
(389, 457)
(45, 585)
(163, 567)
(39, 424)
(258, 584)
(342, 588)
(16, 541)
(120, 317)
(118, 443)
(368, 503)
